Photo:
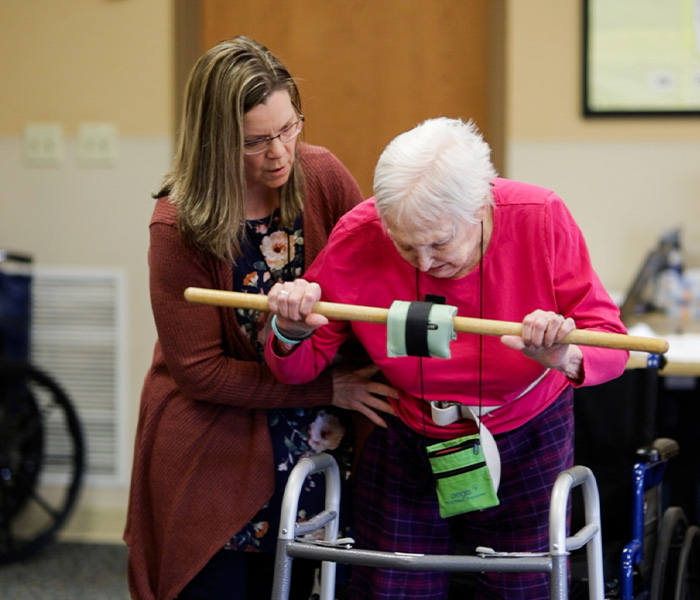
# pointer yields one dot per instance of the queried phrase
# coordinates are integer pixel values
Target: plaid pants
(396, 508)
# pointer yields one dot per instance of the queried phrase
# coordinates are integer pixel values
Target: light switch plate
(43, 144)
(97, 145)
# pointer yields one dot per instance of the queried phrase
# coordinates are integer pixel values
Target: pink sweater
(537, 258)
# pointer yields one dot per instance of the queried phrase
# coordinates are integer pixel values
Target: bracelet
(284, 338)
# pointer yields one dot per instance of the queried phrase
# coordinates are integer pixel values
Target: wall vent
(78, 338)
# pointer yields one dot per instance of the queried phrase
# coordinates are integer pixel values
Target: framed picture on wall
(641, 57)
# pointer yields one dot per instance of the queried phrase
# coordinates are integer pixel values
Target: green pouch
(462, 479)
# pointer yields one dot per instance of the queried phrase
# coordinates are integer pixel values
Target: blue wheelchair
(42, 450)
(650, 549)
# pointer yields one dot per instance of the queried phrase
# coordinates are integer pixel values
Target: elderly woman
(441, 223)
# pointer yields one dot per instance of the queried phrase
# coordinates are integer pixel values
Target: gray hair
(440, 167)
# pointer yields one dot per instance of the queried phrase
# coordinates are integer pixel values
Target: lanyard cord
(420, 360)
(481, 337)
(481, 316)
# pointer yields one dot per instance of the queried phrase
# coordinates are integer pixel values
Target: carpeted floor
(68, 571)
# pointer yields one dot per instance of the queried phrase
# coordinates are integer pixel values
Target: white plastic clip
(445, 413)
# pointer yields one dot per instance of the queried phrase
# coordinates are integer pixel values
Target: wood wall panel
(368, 70)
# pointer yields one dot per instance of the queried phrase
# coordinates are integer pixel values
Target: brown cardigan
(203, 456)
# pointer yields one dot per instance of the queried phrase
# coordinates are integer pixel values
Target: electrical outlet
(97, 145)
(43, 144)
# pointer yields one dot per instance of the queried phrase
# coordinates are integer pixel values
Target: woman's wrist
(286, 337)
(573, 365)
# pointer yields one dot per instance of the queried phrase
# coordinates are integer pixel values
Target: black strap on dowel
(435, 299)
(417, 324)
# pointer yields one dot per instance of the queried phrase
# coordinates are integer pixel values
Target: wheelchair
(42, 450)
(634, 548)
(650, 550)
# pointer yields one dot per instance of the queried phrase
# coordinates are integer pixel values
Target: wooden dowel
(372, 314)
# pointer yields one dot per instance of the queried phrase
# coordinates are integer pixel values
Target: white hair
(441, 167)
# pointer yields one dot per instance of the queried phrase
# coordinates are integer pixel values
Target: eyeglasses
(287, 134)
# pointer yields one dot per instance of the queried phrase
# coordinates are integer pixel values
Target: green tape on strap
(441, 330)
(396, 329)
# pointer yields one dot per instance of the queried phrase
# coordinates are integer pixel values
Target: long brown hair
(207, 180)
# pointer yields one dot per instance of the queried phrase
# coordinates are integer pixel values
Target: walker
(291, 542)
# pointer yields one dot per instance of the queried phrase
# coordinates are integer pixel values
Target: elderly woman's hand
(541, 330)
(292, 302)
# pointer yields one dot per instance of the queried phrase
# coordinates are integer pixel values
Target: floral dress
(273, 253)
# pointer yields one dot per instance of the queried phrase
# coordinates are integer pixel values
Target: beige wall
(544, 81)
(112, 60)
(87, 60)
(626, 180)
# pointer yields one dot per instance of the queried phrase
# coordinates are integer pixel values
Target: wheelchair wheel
(41, 459)
(688, 578)
(667, 556)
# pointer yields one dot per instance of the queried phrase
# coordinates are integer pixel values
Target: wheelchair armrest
(660, 449)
